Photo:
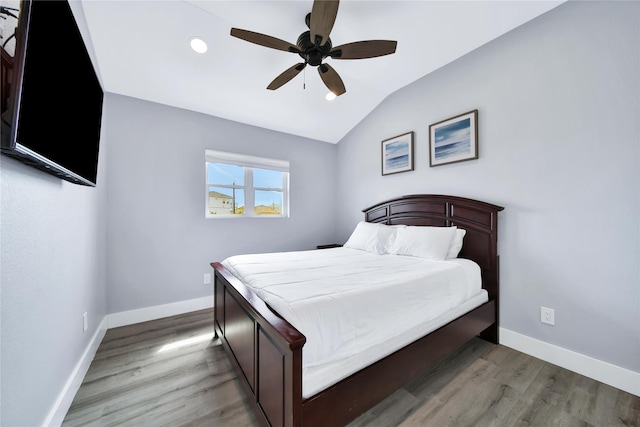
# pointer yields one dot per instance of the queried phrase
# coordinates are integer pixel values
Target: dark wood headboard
(480, 219)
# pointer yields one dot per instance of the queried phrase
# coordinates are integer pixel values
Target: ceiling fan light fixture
(198, 45)
(330, 96)
(314, 46)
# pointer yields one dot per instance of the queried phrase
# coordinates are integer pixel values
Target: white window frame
(248, 163)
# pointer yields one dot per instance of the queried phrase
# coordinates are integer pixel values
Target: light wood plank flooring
(131, 382)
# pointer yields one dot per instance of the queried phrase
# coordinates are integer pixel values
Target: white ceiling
(142, 50)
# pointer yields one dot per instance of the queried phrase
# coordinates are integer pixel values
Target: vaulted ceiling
(142, 50)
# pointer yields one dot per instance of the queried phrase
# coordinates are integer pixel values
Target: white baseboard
(130, 317)
(65, 398)
(615, 376)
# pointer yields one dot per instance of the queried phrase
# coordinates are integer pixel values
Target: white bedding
(355, 307)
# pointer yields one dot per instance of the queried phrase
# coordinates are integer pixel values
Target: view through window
(240, 185)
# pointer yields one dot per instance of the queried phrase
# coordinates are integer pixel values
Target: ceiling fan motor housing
(312, 54)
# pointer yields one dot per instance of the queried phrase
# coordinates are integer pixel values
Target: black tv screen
(51, 96)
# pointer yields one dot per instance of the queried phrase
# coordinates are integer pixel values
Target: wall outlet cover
(547, 315)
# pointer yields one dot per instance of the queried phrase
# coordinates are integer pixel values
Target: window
(238, 185)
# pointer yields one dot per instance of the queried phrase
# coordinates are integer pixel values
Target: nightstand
(332, 245)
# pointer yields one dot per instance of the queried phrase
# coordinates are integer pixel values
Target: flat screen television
(51, 96)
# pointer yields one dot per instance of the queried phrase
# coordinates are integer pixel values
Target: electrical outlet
(85, 322)
(207, 279)
(547, 315)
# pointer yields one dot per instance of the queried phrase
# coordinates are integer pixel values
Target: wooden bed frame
(267, 351)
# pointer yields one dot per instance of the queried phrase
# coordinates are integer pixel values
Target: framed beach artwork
(454, 140)
(397, 154)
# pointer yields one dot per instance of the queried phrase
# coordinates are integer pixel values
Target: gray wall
(160, 243)
(559, 128)
(52, 252)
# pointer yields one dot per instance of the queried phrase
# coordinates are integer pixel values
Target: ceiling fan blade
(287, 75)
(364, 49)
(264, 40)
(323, 16)
(331, 79)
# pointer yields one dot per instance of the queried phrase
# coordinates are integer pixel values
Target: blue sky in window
(267, 178)
(218, 173)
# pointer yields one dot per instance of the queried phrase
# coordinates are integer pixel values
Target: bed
(267, 350)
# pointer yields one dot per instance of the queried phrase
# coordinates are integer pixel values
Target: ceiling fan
(315, 45)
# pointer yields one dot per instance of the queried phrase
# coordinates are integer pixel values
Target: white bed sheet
(355, 307)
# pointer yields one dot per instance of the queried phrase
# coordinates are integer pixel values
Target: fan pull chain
(304, 78)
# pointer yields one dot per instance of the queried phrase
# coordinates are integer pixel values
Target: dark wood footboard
(267, 351)
(264, 348)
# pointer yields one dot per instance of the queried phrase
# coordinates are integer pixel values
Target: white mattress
(355, 307)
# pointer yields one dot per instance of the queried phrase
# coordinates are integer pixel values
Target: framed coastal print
(454, 140)
(397, 154)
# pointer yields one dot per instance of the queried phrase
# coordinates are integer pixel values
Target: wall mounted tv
(51, 96)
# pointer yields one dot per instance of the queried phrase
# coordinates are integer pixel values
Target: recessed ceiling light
(330, 96)
(198, 45)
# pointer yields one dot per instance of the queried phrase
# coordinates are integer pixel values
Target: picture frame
(397, 154)
(454, 139)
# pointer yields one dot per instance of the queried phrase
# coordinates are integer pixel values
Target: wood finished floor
(131, 382)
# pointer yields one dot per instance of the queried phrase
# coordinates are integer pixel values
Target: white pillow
(422, 242)
(456, 243)
(370, 237)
